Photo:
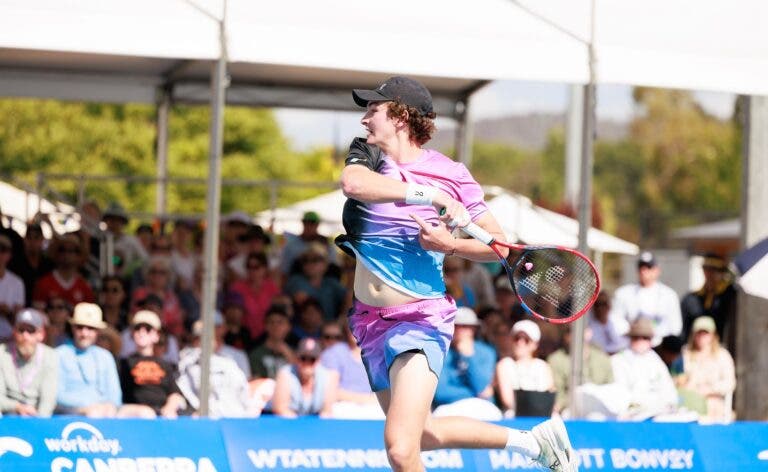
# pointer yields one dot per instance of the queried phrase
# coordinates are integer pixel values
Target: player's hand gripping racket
(553, 283)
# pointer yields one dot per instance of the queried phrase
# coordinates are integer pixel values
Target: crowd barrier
(65, 444)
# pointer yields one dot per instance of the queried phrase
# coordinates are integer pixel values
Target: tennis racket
(553, 283)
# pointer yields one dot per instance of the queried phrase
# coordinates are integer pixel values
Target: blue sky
(308, 128)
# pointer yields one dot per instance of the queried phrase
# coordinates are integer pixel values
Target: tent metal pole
(464, 131)
(585, 213)
(210, 275)
(163, 107)
(573, 147)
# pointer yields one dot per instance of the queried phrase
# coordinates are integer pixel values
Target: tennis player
(402, 317)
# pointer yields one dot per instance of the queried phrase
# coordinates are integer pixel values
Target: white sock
(523, 443)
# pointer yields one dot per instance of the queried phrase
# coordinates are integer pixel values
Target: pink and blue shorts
(383, 333)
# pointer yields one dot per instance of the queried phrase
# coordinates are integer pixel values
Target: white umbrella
(752, 264)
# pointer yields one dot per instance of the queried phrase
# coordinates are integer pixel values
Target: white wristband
(419, 194)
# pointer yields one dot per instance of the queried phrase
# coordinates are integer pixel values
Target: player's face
(380, 127)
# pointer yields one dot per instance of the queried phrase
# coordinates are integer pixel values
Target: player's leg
(407, 404)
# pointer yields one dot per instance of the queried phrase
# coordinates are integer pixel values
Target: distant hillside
(525, 131)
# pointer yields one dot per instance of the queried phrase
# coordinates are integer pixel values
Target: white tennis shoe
(556, 451)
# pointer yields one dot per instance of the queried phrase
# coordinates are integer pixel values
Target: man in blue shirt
(89, 383)
(465, 384)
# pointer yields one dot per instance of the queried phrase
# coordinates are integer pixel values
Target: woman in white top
(523, 371)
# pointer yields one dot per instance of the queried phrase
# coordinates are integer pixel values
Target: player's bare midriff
(372, 291)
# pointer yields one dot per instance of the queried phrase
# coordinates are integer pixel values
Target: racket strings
(554, 283)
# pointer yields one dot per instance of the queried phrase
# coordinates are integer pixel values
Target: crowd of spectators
(128, 344)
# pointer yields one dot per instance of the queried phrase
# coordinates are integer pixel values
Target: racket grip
(478, 233)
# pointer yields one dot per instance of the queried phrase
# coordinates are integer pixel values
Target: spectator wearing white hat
(29, 369)
(523, 371)
(465, 385)
(148, 381)
(89, 383)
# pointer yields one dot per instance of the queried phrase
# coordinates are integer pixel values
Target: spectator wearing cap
(273, 352)
(643, 375)
(89, 384)
(33, 263)
(716, 298)
(708, 370)
(604, 332)
(171, 352)
(648, 298)
(133, 253)
(314, 282)
(343, 359)
(158, 277)
(523, 371)
(64, 281)
(29, 369)
(148, 381)
(464, 387)
(296, 245)
(257, 291)
(304, 387)
(229, 390)
(11, 289)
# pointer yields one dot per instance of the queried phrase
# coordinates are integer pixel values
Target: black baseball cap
(402, 89)
(647, 259)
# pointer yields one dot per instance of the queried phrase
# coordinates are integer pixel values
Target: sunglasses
(331, 336)
(26, 329)
(83, 328)
(143, 327)
(646, 338)
(519, 338)
(113, 290)
(307, 359)
(311, 260)
(255, 267)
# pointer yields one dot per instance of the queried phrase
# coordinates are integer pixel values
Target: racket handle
(478, 233)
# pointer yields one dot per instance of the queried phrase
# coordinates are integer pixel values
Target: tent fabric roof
(725, 229)
(300, 53)
(19, 206)
(519, 218)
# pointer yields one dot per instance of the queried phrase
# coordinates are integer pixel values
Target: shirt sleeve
(112, 391)
(362, 153)
(49, 385)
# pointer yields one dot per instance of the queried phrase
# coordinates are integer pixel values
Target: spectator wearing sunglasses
(89, 383)
(148, 381)
(304, 387)
(643, 375)
(64, 281)
(33, 263)
(28, 369)
(58, 330)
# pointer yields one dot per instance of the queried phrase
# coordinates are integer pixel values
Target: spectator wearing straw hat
(89, 383)
(28, 368)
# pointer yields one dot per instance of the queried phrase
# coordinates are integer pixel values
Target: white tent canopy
(520, 219)
(19, 206)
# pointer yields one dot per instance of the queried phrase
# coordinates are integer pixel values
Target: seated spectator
(523, 371)
(708, 370)
(304, 387)
(643, 376)
(33, 263)
(480, 281)
(109, 339)
(184, 258)
(112, 298)
(296, 245)
(596, 367)
(58, 330)
(221, 348)
(29, 370)
(313, 282)
(671, 350)
(507, 302)
(605, 335)
(229, 395)
(12, 296)
(308, 321)
(343, 358)
(236, 335)
(257, 291)
(331, 333)
(159, 282)
(64, 281)
(455, 284)
(464, 387)
(89, 383)
(154, 304)
(148, 382)
(133, 253)
(254, 240)
(274, 352)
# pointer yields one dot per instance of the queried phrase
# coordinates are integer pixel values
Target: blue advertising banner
(65, 444)
(72, 444)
